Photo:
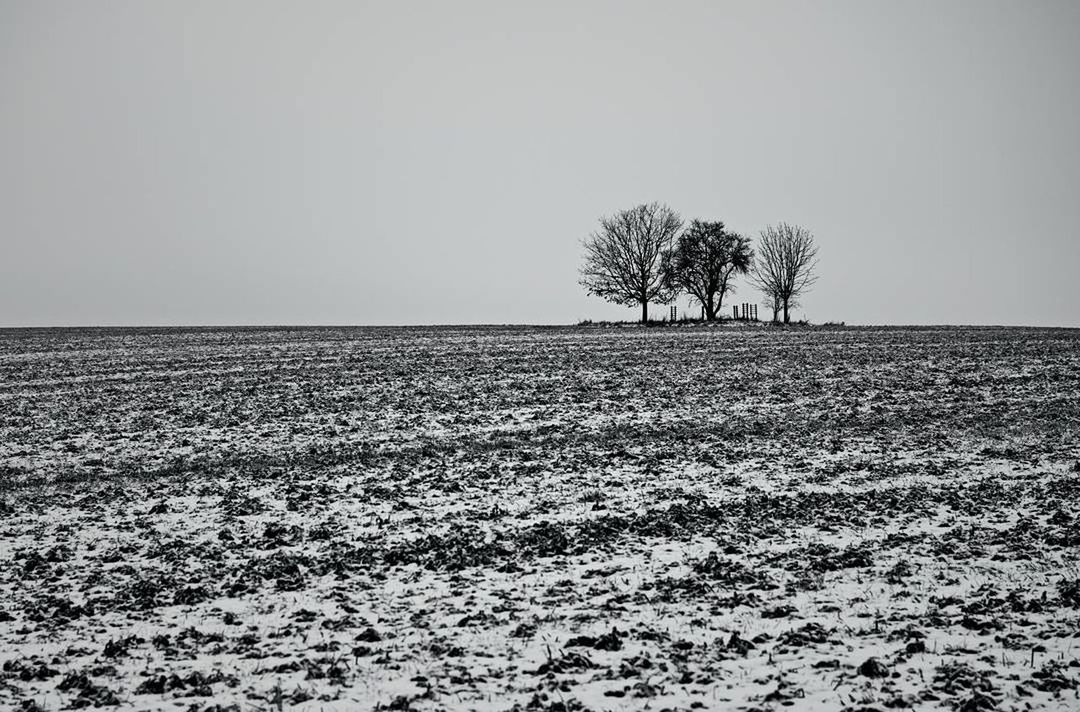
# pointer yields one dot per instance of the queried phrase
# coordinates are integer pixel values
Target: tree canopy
(623, 257)
(785, 264)
(702, 262)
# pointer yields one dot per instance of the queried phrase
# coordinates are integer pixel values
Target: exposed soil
(540, 519)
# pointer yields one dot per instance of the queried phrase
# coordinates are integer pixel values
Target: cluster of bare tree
(644, 255)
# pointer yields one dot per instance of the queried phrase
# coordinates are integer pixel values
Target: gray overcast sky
(404, 162)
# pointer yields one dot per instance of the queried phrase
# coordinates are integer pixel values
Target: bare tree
(702, 262)
(784, 268)
(773, 301)
(623, 257)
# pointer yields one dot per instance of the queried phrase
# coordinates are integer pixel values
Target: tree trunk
(710, 311)
(787, 319)
(644, 311)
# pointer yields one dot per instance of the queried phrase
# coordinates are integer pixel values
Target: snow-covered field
(540, 519)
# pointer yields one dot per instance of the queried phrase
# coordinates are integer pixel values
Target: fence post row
(744, 312)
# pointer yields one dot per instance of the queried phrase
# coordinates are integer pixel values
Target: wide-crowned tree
(623, 258)
(703, 261)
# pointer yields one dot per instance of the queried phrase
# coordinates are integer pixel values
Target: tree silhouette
(703, 261)
(623, 258)
(784, 266)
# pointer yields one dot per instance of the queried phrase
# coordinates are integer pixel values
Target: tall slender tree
(703, 261)
(785, 264)
(623, 257)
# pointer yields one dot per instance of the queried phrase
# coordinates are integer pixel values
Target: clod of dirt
(523, 630)
(369, 635)
(570, 661)
(784, 693)
(730, 572)
(1069, 591)
(159, 684)
(608, 641)
(119, 648)
(191, 595)
(28, 670)
(898, 573)
(955, 677)
(872, 667)
(739, 645)
(90, 693)
(1052, 678)
(981, 625)
(811, 633)
(978, 702)
(276, 535)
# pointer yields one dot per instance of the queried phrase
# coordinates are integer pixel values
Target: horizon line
(582, 324)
